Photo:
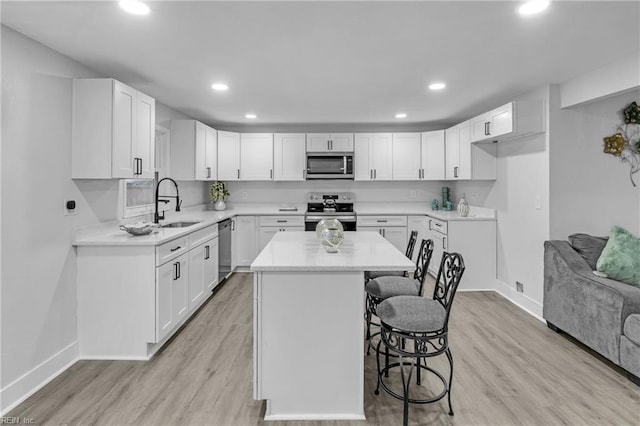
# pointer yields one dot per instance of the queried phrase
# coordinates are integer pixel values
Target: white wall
(590, 190)
(38, 305)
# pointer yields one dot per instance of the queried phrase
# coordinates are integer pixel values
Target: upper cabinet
(113, 131)
(323, 142)
(466, 161)
(373, 156)
(513, 120)
(194, 147)
(418, 156)
(228, 155)
(289, 156)
(256, 156)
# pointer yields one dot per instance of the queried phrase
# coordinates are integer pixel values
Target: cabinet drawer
(438, 225)
(281, 221)
(171, 250)
(198, 237)
(382, 221)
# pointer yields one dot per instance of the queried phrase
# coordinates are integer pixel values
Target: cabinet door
(407, 156)
(362, 168)
(420, 224)
(439, 246)
(458, 152)
(200, 154)
(318, 142)
(289, 156)
(244, 235)
(341, 142)
(396, 235)
(211, 153)
(144, 146)
(228, 155)
(265, 235)
(433, 155)
(196, 276)
(211, 265)
(501, 120)
(465, 151)
(480, 127)
(124, 130)
(179, 289)
(256, 156)
(381, 156)
(164, 285)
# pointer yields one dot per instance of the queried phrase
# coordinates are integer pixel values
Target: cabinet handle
(429, 224)
(282, 221)
(384, 233)
(304, 173)
(176, 271)
(140, 169)
(233, 225)
(328, 145)
(487, 131)
(375, 174)
(455, 171)
(443, 243)
(206, 252)
(208, 172)
(422, 173)
(270, 173)
(488, 128)
(331, 145)
(176, 248)
(370, 174)
(238, 173)
(381, 220)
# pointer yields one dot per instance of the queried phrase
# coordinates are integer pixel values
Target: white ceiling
(334, 62)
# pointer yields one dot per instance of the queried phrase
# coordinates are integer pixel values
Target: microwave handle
(344, 165)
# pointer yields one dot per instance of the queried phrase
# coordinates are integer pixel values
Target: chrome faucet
(163, 198)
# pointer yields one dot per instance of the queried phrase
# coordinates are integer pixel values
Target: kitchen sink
(179, 224)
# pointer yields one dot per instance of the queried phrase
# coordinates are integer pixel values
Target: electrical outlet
(244, 195)
(70, 207)
(413, 194)
(538, 203)
(519, 287)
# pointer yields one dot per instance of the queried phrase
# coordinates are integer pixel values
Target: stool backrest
(411, 244)
(422, 262)
(451, 270)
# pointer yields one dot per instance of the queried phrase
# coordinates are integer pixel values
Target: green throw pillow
(620, 258)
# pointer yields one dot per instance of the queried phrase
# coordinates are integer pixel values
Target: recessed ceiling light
(401, 115)
(437, 86)
(533, 6)
(220, 87)
(251, 116)
(135, 7)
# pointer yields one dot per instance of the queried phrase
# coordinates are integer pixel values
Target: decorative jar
(220, 205)
(331, 234)
(463, 206)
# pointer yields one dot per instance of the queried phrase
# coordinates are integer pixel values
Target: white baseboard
(29, 383)
(521, 300)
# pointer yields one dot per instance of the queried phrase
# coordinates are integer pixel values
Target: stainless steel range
(338, 205)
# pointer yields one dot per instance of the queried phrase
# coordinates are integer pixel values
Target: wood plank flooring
(509, 369)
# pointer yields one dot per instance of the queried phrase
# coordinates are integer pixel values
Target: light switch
(538, 203)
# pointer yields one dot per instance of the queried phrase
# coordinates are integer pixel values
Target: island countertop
(302, 251)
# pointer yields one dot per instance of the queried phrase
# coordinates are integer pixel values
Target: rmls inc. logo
(17, 421)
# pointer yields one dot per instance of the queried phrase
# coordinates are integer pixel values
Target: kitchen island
(308, 323)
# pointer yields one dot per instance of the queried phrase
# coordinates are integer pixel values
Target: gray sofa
(603, 314)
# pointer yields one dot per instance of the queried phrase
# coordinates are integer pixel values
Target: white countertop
(416, 209)
(301, 251)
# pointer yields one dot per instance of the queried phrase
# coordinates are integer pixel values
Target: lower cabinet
(244, 246)
(393, 228)
(132, 298)
(270, 225)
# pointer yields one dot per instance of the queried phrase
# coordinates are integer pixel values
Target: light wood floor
(510, 369)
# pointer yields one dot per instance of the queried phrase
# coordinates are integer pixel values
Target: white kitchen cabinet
(393, 228)
(256, 156)
(465, 160)
(113, 131)
(270, 225)
(194, 147)
(211, 265)
(509, 121)
(407, 156)
(433, 155)
(289, 156)
(323, 142)
(203, 271)
(244, 244)
(373, 156)
(475, 240)
(172, 302)
(228, 155)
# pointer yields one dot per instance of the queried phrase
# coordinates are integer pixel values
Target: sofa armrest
(589, 308)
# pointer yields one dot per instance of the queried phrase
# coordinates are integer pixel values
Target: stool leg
(450, 357)
(405, 389)
(368, 319)
(377, 391)
(386, 360)
(419, 363)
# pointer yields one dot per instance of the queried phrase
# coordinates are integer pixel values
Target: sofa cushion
(620, 258)
(588, 246)
(632, 328)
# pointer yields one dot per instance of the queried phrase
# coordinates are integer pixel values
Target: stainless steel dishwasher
(224, 250)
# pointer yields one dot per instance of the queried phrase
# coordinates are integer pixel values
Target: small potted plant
(219, 193)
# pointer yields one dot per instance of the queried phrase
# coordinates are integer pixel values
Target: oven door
(330, 165)
(348, 223)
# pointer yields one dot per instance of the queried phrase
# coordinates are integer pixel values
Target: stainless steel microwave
(329, 165)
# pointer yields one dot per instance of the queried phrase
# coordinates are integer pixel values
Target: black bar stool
(417, 328)
(381, 288)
